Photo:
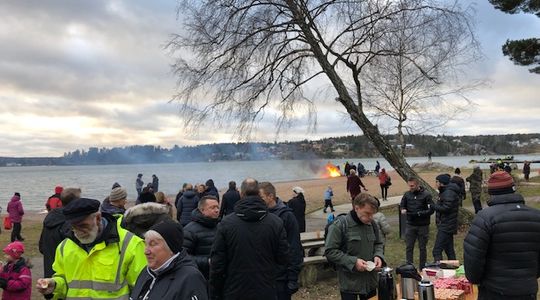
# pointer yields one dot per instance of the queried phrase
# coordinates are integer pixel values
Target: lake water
(36, 184)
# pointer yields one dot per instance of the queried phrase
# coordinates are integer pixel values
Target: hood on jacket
(505, 199)
(54, 218)
(139, 218)
(15, 198)
(189, 194)
(279, 207)
(251, 209)
(452, 187)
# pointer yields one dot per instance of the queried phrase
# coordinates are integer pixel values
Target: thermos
(386, 287)
(426, 290)
(409, 278)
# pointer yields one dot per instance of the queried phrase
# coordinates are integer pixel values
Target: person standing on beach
(415, 204)
(199, 234)
(328, 194)
(354, 184)
(377, 168)
(287, 280)
(298, 206)
(54, 200)
(155, 183)
(526, 170)
(16, 211)
(15, 275)
(475, 188)
(384, 183)
(230, 198)
(139, 183)
(55, 230)
(250, 246)
(187, 203)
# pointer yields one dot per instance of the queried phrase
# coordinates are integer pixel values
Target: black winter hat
(172, 232)
(443, 178)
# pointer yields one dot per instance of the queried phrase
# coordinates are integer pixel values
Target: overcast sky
(76, 74)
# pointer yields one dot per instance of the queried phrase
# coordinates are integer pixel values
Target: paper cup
(370, 266)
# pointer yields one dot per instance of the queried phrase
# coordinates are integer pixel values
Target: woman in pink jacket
(16, 211)
(15, 278)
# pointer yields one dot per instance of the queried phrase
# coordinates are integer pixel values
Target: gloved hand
(3, 283)
(292, 286)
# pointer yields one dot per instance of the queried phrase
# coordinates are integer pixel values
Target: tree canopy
(525, 52)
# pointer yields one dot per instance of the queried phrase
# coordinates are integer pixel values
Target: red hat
(500, 182)
(58, 189)
(14, 249)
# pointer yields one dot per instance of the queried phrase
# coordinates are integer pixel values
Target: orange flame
(332, 170)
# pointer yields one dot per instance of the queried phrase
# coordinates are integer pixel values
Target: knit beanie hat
(172, 232)
(443, 178)
(14, 249)
(117, 194)
(500, 182)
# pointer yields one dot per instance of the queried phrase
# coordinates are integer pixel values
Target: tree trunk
(355, 110)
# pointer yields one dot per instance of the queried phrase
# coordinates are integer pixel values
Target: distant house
(409, 146)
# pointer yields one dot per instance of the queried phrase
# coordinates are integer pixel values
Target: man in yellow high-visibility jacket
(99, 260)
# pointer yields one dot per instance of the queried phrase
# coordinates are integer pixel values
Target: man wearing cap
(98, 259)
(502, 248)
(446, 217)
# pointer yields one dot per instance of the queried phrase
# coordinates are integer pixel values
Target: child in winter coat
(15, 278)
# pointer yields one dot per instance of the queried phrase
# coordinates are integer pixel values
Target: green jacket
(476, 181)
(361, 242)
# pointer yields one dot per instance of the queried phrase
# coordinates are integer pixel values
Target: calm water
(36, 184)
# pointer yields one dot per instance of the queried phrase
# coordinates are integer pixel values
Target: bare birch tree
(421, 87)
(236, 58)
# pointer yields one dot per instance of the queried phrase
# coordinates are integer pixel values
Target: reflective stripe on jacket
(107, 271)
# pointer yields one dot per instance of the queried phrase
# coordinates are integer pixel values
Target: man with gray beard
(98, 259)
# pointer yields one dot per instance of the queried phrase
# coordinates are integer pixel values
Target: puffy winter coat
(55, 230)
(502, 248)
(298, 206)
(417, 205)
(180, 280)
(16, 281)
(199, 235)
(296, 252)
(447, 208)
(250, 246)
(354, 184)
(186, 205)
(15, 209)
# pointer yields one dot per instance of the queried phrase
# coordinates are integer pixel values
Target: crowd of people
(245, 244)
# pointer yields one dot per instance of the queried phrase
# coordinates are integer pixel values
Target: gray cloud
(75, 74)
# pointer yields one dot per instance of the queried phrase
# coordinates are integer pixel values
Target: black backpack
(343, 246)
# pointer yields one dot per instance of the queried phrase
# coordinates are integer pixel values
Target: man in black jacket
(502, 248)
(416, 205)
(199, 234)
(287, 276)
(55, 230)
(249, 248)
(446, 218)
(229, 200)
